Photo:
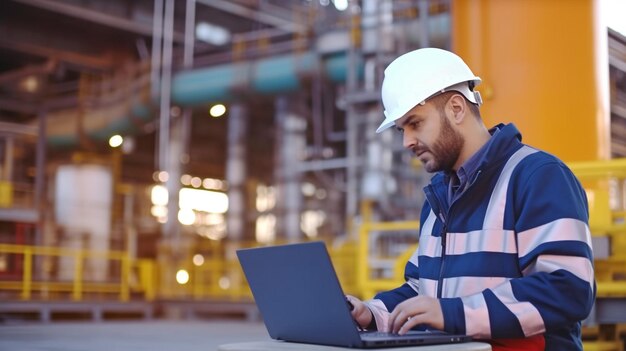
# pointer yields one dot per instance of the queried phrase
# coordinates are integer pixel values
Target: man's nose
(408, 141)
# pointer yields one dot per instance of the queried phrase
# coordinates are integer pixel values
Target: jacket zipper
(443, 235)
(444, 229)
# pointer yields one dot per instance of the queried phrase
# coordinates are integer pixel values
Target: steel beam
(249, 13)
(19, 215)
(96, 63)
(15, 74)
(96, 17)
(18, 129)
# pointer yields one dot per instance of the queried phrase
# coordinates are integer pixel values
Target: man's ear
(458, 108)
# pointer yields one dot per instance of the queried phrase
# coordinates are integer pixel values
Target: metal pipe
(352, 155)
(170, 228)
(423, 16)
(236, 170)
(190, 24)
(320, 165)
(280, 117)
(370, 75)
(166, 77)
(155, 68)
(570, 52)
(8, 159)
(316, 112)
(40, 175)
(142, 49)
(129, 226)
(157, 31)
(352, 126)
(290, 141)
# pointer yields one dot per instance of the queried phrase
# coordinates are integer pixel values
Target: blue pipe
(267, 76)
(221, 83)
(140, 113)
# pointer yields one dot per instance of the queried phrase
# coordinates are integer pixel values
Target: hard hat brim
(462, 88)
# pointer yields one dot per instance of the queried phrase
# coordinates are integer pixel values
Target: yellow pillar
(544, 65)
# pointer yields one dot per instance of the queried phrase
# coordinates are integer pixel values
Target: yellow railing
(47, 286)
(6, 194)
(605, 183)
(368, 282)
(220, 276)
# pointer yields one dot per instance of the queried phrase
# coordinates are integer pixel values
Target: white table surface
(280, 345)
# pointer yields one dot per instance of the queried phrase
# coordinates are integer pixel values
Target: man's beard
(445, 151)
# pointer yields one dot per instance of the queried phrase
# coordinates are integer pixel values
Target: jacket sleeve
(556, 288)
(383, 303)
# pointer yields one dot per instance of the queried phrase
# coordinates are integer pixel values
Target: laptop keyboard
(412, 333)
(374, 334)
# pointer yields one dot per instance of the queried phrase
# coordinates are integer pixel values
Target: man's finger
(392, 320)
(410, 323)
(398, 320)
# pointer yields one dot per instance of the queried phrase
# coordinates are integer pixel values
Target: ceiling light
(341, 5)
(212, 34)
(186, 216)
(116, 140)
(159, 195)
(163, 176)
(182, 277)
(198, 260)
(30, 84)
(217, 110)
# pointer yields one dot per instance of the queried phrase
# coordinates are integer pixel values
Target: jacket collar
(503, 144)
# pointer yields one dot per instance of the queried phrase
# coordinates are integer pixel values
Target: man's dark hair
(440, 101)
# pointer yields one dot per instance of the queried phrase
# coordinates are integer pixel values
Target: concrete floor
(129, 336)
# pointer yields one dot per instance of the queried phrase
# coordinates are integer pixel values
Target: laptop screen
(298, 294)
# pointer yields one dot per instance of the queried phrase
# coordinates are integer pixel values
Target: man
(504, 245)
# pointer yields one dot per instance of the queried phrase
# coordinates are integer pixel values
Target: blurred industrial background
(142, 142)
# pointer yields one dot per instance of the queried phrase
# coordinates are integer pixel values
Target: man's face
(428, 133)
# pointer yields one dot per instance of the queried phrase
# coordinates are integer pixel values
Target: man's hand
(414, 311)
(361, 313)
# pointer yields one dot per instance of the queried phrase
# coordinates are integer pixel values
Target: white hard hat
(417, 75)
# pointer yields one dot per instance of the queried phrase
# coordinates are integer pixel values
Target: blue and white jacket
(511, 257)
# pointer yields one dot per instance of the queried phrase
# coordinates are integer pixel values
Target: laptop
(299, 296)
